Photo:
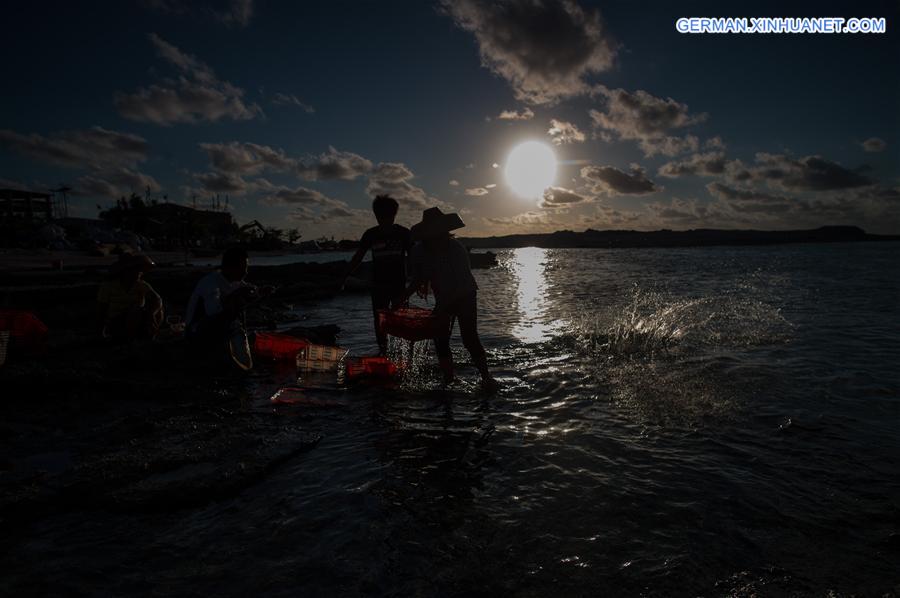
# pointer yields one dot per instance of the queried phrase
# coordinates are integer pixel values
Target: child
(390, 244)
(128, 307)
(443, 262)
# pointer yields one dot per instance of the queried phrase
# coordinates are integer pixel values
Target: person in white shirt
(219, 298)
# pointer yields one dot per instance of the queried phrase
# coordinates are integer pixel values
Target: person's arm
(364, 244)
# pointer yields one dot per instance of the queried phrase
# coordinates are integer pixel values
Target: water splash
(653, 322)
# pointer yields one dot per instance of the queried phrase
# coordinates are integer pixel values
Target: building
(27, 206)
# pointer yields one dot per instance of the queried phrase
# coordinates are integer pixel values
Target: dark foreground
(707, 422)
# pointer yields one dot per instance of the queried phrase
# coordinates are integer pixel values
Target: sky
(300, 112)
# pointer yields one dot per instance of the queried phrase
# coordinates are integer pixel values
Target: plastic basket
(320, 358)
(413, 323)
(278, 346)
(26, 332)
(374, 367)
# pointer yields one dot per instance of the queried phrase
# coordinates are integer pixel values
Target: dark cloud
(678, 211)
(543, 48)
(247, 158)
(113, 183)
(562, 132)
(525, 114)
(308, 204)
(555, 197)
(297, 195)
(252, 158)
(810, 173)
(332, 165)
(647, 119)
(88, 148)
(222, 182)
(287, 99)
(752, 200)
(391, 178)
(196, 96)
(708, 164)
(610, 181)
(874, 144)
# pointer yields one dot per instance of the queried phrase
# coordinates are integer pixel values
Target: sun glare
(530, 168)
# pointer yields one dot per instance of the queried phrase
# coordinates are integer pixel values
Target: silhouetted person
(218, 300)
(127, 306)
(442, 261)
(390, 244)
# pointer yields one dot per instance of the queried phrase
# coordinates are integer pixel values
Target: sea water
(708, 421)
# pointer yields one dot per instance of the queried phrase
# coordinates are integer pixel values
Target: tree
(275, 233)
(293, 235)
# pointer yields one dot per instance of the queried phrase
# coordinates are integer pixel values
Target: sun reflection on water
(528, 266)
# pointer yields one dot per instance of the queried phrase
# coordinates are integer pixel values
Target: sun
(530, 168)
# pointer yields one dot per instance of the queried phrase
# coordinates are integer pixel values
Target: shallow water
(714, 421)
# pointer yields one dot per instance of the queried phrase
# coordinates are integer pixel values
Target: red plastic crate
(413, 323)
(278, 346)
(375, 367)
(26, 331)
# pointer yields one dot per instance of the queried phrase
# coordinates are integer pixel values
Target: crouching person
(214, 311)
(127, 306)
(442, 261)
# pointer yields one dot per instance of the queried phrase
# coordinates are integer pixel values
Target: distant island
(703, 237)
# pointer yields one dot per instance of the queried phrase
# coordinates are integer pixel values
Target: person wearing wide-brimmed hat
(443, 262)
(127, 306)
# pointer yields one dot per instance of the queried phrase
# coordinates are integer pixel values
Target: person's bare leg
(468, 329)
(445, 357)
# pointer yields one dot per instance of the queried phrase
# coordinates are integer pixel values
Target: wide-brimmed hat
(130, 263)
(435, 222)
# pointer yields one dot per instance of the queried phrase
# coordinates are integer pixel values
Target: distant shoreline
(594, 239)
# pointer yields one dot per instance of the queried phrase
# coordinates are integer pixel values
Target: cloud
(555, 197)
(247, 158)
(332, 165)
(543, 48)
(196, 96)
(295, 195)
(307, 204)
(222, 182)
(477, 191)
(286, 99)
(392, 178)
(534, 220)
(564, 132)
(683, 212)
(88, 148)
(647, 119)
(751, 200)
(810, 173)
(114, 183)
(874, 144)
(454, 183)
(611, 181)
(708, 164)
(525, 114)
(252, 158)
